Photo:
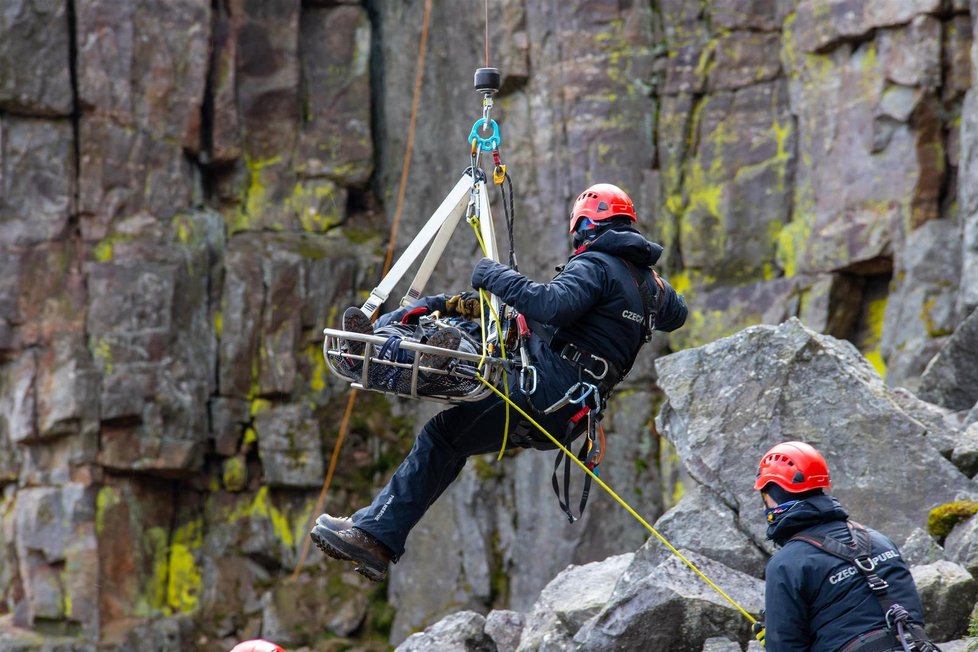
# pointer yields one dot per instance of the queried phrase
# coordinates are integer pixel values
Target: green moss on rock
(943, 518)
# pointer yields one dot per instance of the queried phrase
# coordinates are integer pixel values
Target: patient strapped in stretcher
(438, 321)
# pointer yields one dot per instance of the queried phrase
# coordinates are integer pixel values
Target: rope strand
(391, 243)
(406, 165)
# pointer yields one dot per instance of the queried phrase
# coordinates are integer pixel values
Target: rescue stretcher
(457, 382)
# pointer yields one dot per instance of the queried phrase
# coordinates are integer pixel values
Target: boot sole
(448, 338)
(324, 545)
(355, 321)
(327, 541)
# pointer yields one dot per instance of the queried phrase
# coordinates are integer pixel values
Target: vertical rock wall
(176, 178)
(190, 191)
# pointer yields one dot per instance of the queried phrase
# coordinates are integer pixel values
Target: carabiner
(486, 106)
(523, 381)
(588, 390)
(568, 397)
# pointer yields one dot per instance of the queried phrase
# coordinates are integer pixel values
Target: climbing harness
(588, 397)
(900, 632)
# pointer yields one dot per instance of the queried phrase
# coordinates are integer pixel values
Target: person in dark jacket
(816, 601)
(588, 323)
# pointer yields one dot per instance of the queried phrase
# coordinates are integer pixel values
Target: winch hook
(487, 81)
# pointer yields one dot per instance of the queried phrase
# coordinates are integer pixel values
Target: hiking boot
(353, 544)
(336, 524)
(354, 321)
(443, 338)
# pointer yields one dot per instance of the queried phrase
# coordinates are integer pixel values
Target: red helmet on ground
(257, 645)
(795, 467)
(602, 201)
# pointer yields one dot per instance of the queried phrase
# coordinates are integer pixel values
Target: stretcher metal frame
(361, 369)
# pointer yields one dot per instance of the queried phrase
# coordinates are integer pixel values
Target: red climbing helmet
(257, 645)
(602, 201)
(795, 467)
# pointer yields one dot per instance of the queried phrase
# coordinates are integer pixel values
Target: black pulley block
(488, 80)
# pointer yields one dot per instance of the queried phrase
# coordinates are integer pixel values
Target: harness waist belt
(602, 370)
(883, 640)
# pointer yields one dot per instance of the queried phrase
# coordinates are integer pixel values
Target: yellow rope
(484, 301)
(484, 297)
(620, 501)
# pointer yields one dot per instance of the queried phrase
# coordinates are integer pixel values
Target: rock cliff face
(191, 190)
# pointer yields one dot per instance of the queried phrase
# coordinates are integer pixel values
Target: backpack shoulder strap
(650, 288)
(848, 551)
(858, 553)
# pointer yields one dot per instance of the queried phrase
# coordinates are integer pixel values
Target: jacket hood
(806, 513)
(626, 243)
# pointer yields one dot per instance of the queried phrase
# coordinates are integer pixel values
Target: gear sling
(900, 634)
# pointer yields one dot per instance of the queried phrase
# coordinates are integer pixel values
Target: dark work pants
(439, 454)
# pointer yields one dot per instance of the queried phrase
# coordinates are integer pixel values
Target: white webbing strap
(437, 248)
(445, 217)
(438, 231)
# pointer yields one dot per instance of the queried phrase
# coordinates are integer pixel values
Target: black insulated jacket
(592, 302)
(817, 602)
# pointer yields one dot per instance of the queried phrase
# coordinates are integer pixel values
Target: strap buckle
(877, 583)
(574, 354)
(865, 564)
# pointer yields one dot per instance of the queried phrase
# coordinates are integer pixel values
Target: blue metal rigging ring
(486, 144)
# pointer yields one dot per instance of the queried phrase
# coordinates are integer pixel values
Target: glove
(482, 269)
(466, 304)
(758, 630)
